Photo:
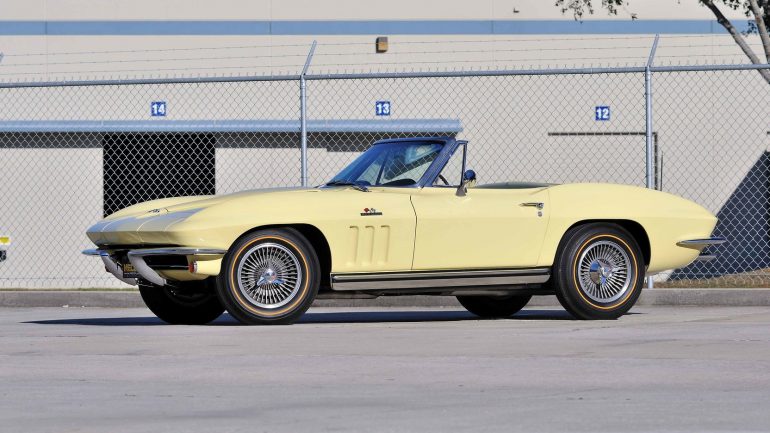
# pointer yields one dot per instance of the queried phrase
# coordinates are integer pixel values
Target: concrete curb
(131, 299)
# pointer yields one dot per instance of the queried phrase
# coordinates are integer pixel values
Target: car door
(369, 231)
(486, 228)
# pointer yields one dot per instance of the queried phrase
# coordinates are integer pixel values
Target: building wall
(43, 39)
(712, 127)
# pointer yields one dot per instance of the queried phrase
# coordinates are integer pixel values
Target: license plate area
(128, 270)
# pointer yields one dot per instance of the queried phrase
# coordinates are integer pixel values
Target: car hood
(180, 204)
(150, 222)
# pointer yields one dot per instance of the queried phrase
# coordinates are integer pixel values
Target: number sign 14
(158, 108)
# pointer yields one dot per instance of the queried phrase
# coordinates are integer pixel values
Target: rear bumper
(137, 259)
(700, 244)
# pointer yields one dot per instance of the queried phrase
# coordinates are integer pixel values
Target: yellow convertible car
(404, 218)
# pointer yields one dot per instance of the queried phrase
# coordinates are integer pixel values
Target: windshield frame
(449, 145)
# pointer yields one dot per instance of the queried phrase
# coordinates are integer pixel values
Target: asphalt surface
(428, 370)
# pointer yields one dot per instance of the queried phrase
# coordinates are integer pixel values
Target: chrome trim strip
(177, 252)
(705, 257)
(92, 252)
(439, 279)
(471, 273)
(537, 204)
(701, 243)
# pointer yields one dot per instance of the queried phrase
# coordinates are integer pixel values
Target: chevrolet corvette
(404, 218)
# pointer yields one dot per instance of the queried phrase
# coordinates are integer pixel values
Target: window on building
(145, 166)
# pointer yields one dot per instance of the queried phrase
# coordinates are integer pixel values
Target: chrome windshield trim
(702, 243)
(434, 169)
(438, 164)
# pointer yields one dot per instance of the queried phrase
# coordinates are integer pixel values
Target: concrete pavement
(751, 297)
(383, 369)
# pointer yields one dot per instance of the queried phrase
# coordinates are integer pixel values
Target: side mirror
(469, 180)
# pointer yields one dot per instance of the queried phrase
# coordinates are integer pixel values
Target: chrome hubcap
(269, 275)
(604, 271)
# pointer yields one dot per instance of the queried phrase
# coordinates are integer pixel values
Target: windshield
(389, 164)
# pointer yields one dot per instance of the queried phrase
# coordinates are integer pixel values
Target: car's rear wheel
(194, 303)
(269, 277)
(494, 306)
(599, 271)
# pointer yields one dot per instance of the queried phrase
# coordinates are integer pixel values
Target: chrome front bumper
(111, 265)
(136, 257)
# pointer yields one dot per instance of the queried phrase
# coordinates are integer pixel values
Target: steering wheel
(443, 179)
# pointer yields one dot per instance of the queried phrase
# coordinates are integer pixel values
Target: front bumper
(137, 259)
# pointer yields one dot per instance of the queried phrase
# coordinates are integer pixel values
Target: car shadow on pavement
(422, 316)
(336, 317)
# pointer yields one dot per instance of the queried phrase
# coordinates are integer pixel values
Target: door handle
(537, 204)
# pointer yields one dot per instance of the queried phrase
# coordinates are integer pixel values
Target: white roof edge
(321, 125)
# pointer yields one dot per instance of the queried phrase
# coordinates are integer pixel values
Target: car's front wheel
(269, 277)
(494, 306)
(599, 271)
(194, 303)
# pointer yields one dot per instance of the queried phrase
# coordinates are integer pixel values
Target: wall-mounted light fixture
(4, 241)
(381, 44)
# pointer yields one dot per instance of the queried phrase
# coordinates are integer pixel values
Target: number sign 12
(602, 113)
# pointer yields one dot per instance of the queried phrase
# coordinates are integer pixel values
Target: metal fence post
(649, 150)
(303, 116)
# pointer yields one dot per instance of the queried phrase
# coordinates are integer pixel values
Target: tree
(758, 12)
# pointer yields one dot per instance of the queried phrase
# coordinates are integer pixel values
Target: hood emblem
(154, 211)
(370, 211)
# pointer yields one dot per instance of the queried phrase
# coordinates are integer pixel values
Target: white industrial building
(71, 154)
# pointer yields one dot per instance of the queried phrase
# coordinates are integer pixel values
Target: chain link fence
(74, 152)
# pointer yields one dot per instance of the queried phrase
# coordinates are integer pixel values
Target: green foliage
(580, 8)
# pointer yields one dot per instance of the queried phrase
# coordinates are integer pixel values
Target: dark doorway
(145, 166)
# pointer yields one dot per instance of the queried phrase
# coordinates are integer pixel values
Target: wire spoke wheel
(269, 275)
(604, 271)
